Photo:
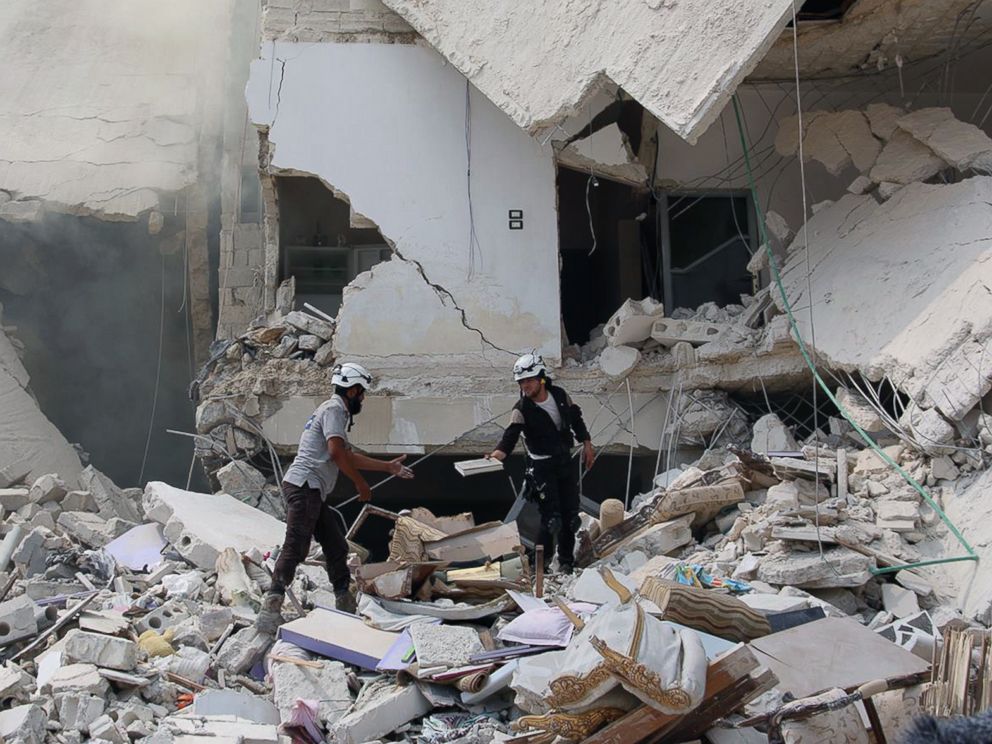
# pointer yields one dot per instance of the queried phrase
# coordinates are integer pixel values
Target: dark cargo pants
(308, 517)
(557, 496)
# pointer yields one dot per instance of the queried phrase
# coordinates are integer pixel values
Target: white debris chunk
(906, 160)
(771, 435)
(963, 145)
(619, 361)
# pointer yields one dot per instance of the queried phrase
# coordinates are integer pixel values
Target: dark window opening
(824, 10)
(706, 243)
(323, 244)
(619, 219)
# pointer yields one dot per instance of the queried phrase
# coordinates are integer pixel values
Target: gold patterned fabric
(570, 726)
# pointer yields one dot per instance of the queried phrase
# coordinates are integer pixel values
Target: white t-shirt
(551, 408)
(313, 465)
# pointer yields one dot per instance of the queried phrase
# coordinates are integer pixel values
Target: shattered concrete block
(328, 685)
(887, 189)
(90, 529)
(771, 435)
(102, 650)
(444, 646)
(668, 332)
(783, 496)
(17, 620)
(47, 488)
(860, 410)
(778, 226)
(961, 380)
(168, 615)
(309, 342)
(111, 501)
(324, 355)
(242, 481)
(77, 678)
(883, 118)
(382, 715)
(661, 539)
(897, 510)
(242, 649)
(904, 159)
(78, 711)
(929, 429)
(106, 728)
(81, 501)
(963, 145)
(29, 557)
(286, 346)
(15, 683)
(12, 499)
(309, 324)
(943, 468)
(214, 621)
(619, 361)
(631, 323)
(23, 723)
(841, 568)
(758, 262)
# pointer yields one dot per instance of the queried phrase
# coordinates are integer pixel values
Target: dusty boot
(270, 615)
(345, 602)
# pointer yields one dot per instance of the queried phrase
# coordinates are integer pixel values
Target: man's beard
(354, 406)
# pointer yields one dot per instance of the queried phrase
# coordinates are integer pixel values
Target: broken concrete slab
(29, 557)
(327, 684)
(77, 678)
(387, 710)
(90, 529)
(310, 324)
(607, 153)
(769, 434)
(860, 410)
(111, 501)
(441, 647)
(492, 540)
(839, 567)
(77, 711)
(242, 481)
(659, 539)
(201, 525)
(617, 362)
(238, 704)
(905, 159)
(23, 723)
(960, 144)
(632, 322)
(47, 488)
(102, 650)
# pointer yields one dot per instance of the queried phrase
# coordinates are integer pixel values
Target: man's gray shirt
(313, 465)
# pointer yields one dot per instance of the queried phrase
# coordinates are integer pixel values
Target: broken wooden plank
(492, 541)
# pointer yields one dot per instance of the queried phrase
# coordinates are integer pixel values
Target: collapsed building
(751, 242)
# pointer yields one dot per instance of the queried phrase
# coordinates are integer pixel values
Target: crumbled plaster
(902, 289)
(344, 21)
(606, 152)
(100, 103)
(404, 167)
(873, 35)
(541, 67)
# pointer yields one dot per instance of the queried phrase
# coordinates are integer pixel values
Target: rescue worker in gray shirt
(323, 453)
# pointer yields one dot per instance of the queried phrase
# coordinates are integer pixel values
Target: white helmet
(529, 365)
(349, 374)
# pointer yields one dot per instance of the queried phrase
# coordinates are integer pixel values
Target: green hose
(971, 555)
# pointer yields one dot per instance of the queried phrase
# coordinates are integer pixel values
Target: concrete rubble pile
(715, 600)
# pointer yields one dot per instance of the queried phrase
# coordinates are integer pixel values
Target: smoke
(115, 111)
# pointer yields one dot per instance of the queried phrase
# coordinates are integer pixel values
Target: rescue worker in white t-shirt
(323, 453)
(548, 418)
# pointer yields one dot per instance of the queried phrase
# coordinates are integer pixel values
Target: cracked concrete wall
(334, 20)
(386, 126)
(681, 59)
(102, 103)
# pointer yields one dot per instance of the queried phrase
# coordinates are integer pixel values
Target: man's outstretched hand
(397, 468)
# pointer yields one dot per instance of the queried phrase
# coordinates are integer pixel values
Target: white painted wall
(385, 125)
